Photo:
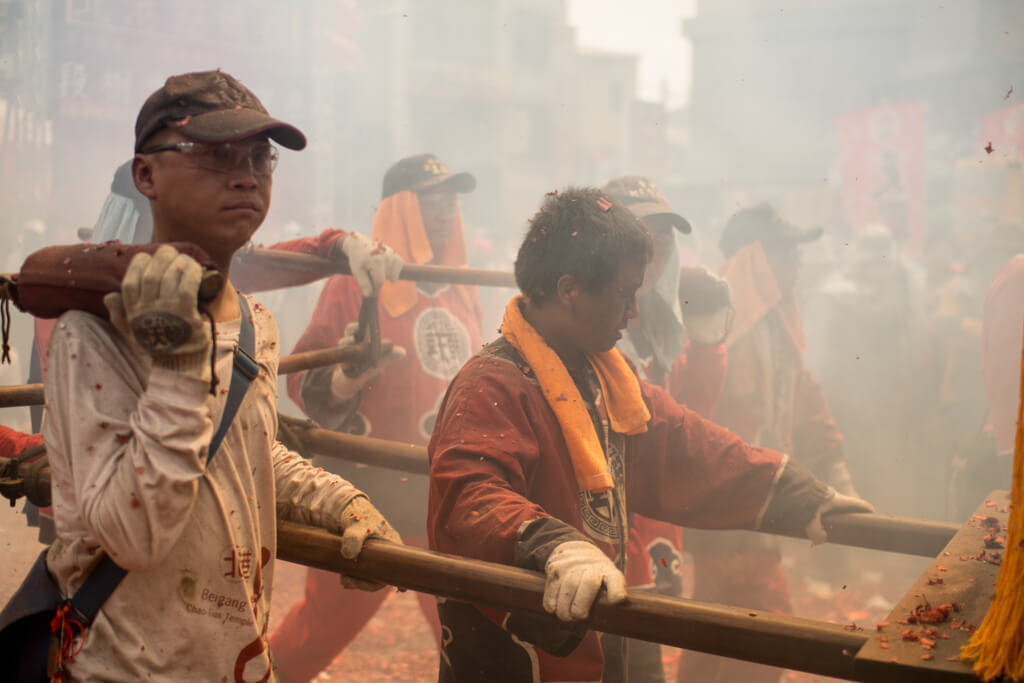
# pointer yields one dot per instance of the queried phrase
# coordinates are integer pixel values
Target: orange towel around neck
(399, 224)
(627, 412)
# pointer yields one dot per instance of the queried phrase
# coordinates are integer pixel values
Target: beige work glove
(157, 311)
(371, 262)
(343, 387)
(576, 570)
(359, 521)
(834, 502)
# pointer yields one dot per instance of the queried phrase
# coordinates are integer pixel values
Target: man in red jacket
(547, 441)
(435, 329)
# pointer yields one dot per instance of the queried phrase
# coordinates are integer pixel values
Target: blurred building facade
(73, 75)
(770, 82)
(496, 87)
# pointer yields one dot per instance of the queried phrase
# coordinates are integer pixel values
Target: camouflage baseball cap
(641, 196)
(424, 173)
(211, 106)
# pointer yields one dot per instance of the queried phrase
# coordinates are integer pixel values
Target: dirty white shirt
(127, 445)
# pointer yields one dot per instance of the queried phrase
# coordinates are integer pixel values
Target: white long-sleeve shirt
(127, 444)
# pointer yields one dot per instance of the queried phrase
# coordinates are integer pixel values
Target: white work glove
(157, 311)
(359, 521)
(343, 387)
(371, 262)
(576, 570)
(835, 502)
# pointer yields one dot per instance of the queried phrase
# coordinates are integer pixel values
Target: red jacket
(439, 334)
(797, 421)
(698, 376)
(499, 460)
(12, 443)
(656, 547)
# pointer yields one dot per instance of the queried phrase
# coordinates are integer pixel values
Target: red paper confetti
(993, 541)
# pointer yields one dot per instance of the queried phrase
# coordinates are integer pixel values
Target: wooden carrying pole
(18, 395)
(763, 637)
(878, 532)
(317, 266)
(861, 530)
(306, 360)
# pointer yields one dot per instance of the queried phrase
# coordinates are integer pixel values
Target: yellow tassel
(997, 647)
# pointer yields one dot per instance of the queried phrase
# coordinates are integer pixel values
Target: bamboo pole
(763, 637)
(316, 267)
(905, 535)
(875, 531)
(367, 450)
(18, 395)
(306, 360)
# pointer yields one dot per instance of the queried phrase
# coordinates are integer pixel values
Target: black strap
(98, 586)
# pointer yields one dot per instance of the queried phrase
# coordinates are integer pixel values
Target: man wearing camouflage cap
(130, 424)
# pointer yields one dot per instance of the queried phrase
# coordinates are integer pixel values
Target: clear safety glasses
(225, 157)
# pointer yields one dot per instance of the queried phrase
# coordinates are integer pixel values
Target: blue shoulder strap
(243, 372)
(98, 586)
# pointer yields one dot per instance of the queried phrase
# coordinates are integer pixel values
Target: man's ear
(142, 174)
(567, 289)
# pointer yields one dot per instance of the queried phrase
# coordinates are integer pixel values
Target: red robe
(439, 333)
(499, 460)
(655, 547)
